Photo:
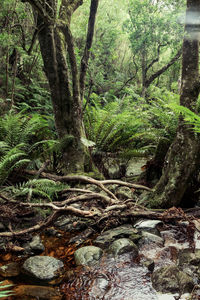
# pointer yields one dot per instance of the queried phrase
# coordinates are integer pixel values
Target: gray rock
(135, 166)
(72, 224)
(36, 244)
(122, 246)
(88, 255)
(126, 231)
(170, 279)
(186, 256)
(148, 225)
(124, 193)
(148, 263)
(149, 238)
(43, 267)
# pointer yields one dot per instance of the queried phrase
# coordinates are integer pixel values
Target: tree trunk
(66, 105)
(183, 156)
(56, 42)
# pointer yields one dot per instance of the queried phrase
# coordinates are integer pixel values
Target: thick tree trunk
(183, 156)
(66, 104)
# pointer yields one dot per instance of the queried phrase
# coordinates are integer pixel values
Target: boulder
(171, 279)
(107, 237)
(43, 268)
(149, 238)
(122, 246)
(88, 255)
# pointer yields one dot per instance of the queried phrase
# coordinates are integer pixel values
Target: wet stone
(171, 279)
(126, 231)
(122, 246)
(149, 238)
(39, 292)
(88, 255)
(148, 225)
(35, 245)
(10, 270)
(43, 267)
(187, 256)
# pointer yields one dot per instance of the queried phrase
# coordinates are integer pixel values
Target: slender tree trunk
(90, 33)
(183, 156)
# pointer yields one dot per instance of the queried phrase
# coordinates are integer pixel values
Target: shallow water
(116, 279)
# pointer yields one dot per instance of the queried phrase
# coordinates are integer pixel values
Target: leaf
(87, 142)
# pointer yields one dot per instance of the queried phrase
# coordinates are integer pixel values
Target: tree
(53, 20)
(183, 156)
(153, 30)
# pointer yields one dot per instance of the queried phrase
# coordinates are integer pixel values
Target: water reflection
(116, 279)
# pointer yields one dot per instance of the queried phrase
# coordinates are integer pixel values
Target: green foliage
(22, 139)
(5, 290)
(190, 117)
(114, 127)
(133, 127)
(37, 189)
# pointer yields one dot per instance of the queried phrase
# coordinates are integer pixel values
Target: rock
(135, 166)
(124, 193)
(148, 225)
(122, 246)
(35, 245)
(149, 238)
(170, 279)
(10, 270)
(126, 231)
(52, 232)
(88, 255)
(72, 224)
(43, 267)
(39, 292)
(186, 256)
(148, 263)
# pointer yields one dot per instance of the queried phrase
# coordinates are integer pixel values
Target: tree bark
(183, 156)
(56, 42)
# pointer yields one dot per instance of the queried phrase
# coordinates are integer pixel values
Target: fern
(42, 188)
(190, 117)
(13, 159)
(5, 290)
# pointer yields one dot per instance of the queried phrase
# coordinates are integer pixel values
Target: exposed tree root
(93, 205)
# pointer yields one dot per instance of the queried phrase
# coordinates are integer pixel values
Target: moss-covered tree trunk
(56, 43)
(183, 156)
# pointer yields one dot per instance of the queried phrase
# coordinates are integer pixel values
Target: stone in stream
(122, 246)
(171, 279)
(38, 292)
(148, 225)
(187, 256)
(10, 270)
(43, 268)
(125, 231)
(149, 238)
(36, 246)
(88, 255)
